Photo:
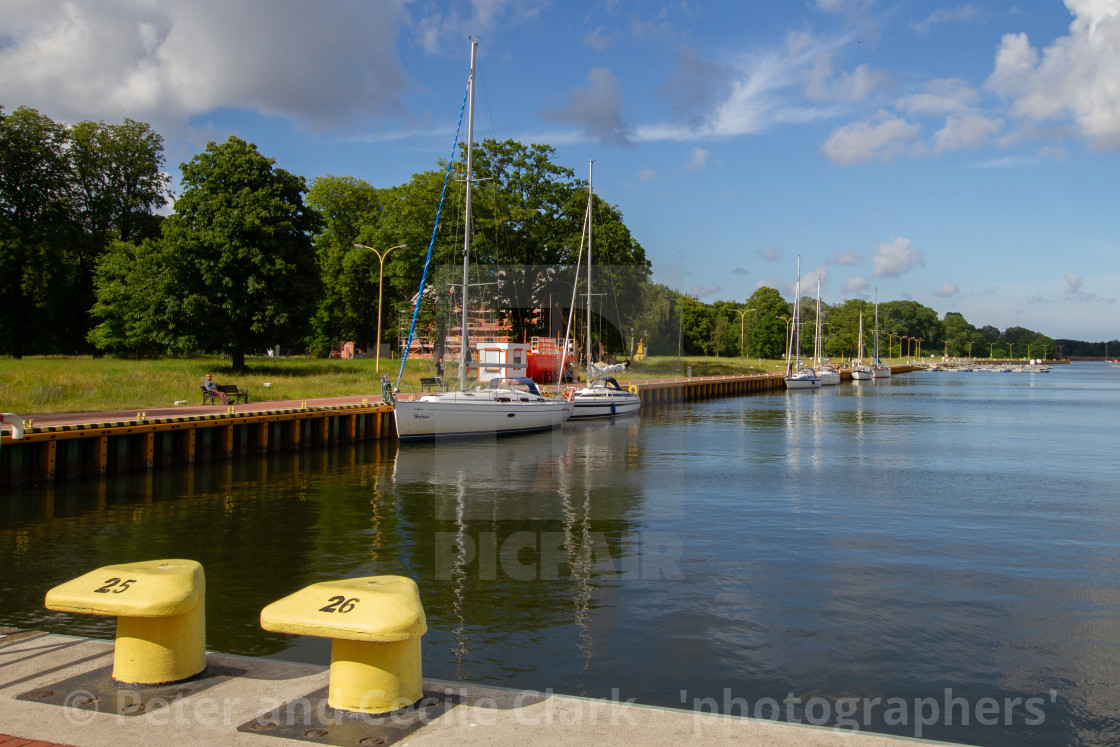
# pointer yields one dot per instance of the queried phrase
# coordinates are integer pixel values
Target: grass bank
(33, 386)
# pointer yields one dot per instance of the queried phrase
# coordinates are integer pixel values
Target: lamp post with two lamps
(380, 274)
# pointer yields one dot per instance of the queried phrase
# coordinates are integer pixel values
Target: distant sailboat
(603, 396)
(826, 372)
(797, 377)
(861, 372)
(878, 369)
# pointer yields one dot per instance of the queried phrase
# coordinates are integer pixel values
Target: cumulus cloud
(698, 159)
(941, 96)
(773, 254)
(647, 174)
(740, 271)
(1073, 78)
(843, 258)
(882, 137)
(854, 86)
(948, 290)
(164, 62)
(945, 15)
(965, 131)
(596, 108)
(896, 257)
(855, 285)
(1074, 292)
(703, 291)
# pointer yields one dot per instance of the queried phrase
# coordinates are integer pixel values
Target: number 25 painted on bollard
(340, 604)
(110, 583)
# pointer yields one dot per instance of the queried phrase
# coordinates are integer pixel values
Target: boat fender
(633, 388)
(569, 394)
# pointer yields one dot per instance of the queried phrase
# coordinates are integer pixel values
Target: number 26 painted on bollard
(110, 583)
(340, 604)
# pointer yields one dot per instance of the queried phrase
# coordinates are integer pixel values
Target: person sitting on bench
(213, 389)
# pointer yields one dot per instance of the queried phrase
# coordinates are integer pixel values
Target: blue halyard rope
(432, 241)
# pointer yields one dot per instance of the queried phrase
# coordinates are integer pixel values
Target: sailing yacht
(796, 376)
(861, 372)
(603, 396)
(505, 406)
(879, 370)
(826, 372)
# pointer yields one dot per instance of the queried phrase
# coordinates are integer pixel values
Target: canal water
(933, 555)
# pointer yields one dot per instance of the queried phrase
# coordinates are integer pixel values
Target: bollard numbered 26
(375, 624)
(160, 606)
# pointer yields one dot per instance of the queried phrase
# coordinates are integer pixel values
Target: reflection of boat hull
(474, 413)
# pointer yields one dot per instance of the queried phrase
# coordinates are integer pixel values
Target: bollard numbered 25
(160, 606)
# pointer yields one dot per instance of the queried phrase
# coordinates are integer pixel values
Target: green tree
(958, 334)
(119, 183)
(38, 271)
(765, 327)
(241, 235)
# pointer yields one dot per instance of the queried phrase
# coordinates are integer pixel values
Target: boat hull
(880, 372)
(604, 404)
(471, 415)
(862, 374)
(802, 382)
(829, 377)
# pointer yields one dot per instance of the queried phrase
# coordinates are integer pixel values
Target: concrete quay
(56, 689)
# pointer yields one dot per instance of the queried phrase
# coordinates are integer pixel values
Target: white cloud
(855, 285)
(1076, 77)
(945, 15)
(164, 62)
(941, 96)
(698, 160)
(965, 131)
(773, 254)
(896, 257)
(703, 291)
(646, 175)
(948, 290)
(843, 258)
(882, 137)
(596, 108)
(1074, 292)
(854, 86)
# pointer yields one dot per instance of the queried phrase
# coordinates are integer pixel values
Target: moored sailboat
(603, 396)
(505, 406)
(796, 376)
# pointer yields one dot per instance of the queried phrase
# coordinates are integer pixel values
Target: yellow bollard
(161, 616)
(375, 624)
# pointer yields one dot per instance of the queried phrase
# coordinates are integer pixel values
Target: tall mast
(465, 347)
(590, 202)
(876, 326)
(797, 312)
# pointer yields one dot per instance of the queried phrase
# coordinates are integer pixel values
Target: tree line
(251, 257)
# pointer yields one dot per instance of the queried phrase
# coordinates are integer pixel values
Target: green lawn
(82, 384)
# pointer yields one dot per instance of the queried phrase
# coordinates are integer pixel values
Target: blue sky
(960, 154)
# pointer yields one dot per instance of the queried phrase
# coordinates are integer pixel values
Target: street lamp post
(970, 349)
(1010, 351)
(991, 350)
(742, 325)
(380, 274)
(890, 346)
(920, 346)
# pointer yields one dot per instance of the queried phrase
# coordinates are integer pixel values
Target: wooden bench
(431, 384)
(231, 391)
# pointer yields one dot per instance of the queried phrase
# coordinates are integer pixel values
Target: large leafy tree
(766, 327)
(119, 182)
(241, 238)
(38, 273)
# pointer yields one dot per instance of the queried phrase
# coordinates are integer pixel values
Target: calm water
(939, 548)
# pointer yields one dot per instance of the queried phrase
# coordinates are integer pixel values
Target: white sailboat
(861, 372)
(796, 376)
(505, 406)
(879, 370)
(826, 372)
(603, 396)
